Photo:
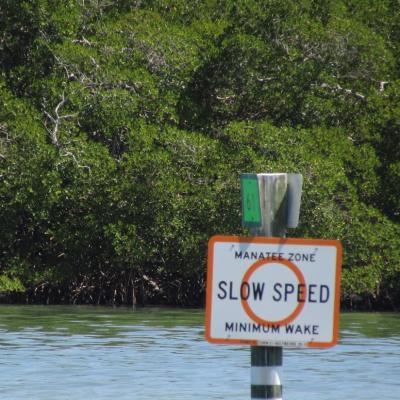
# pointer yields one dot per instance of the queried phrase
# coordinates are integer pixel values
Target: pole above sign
(268, 198)
(273, 291)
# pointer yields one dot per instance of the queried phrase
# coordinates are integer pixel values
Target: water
(101, 353)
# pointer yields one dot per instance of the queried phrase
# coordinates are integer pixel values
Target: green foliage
(276, 61)
(10, 285)
(384, 116)
(19, 25)
(125, 125)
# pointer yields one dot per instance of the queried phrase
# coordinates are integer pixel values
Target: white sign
(273, 291)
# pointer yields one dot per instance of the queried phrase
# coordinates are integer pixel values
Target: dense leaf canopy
(125, 124)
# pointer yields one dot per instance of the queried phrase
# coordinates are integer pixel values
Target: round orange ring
(248, 274)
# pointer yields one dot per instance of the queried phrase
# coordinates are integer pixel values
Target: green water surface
(54, 352)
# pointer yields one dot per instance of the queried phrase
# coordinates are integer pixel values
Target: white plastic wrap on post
(294, 188)
(280, 200)
(273, 194)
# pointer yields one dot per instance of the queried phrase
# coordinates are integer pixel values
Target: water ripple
(99, 353)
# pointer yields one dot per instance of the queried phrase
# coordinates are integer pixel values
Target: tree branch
(338, 88)
(82, 41)
(54, 132)
(56, 122)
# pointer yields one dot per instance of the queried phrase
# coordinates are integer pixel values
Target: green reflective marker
(251, 211)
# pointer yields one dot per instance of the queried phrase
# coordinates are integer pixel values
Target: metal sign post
(266, 361)
(274, 209)
(268, 291)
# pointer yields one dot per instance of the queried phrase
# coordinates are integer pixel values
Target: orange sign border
(271, 240)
